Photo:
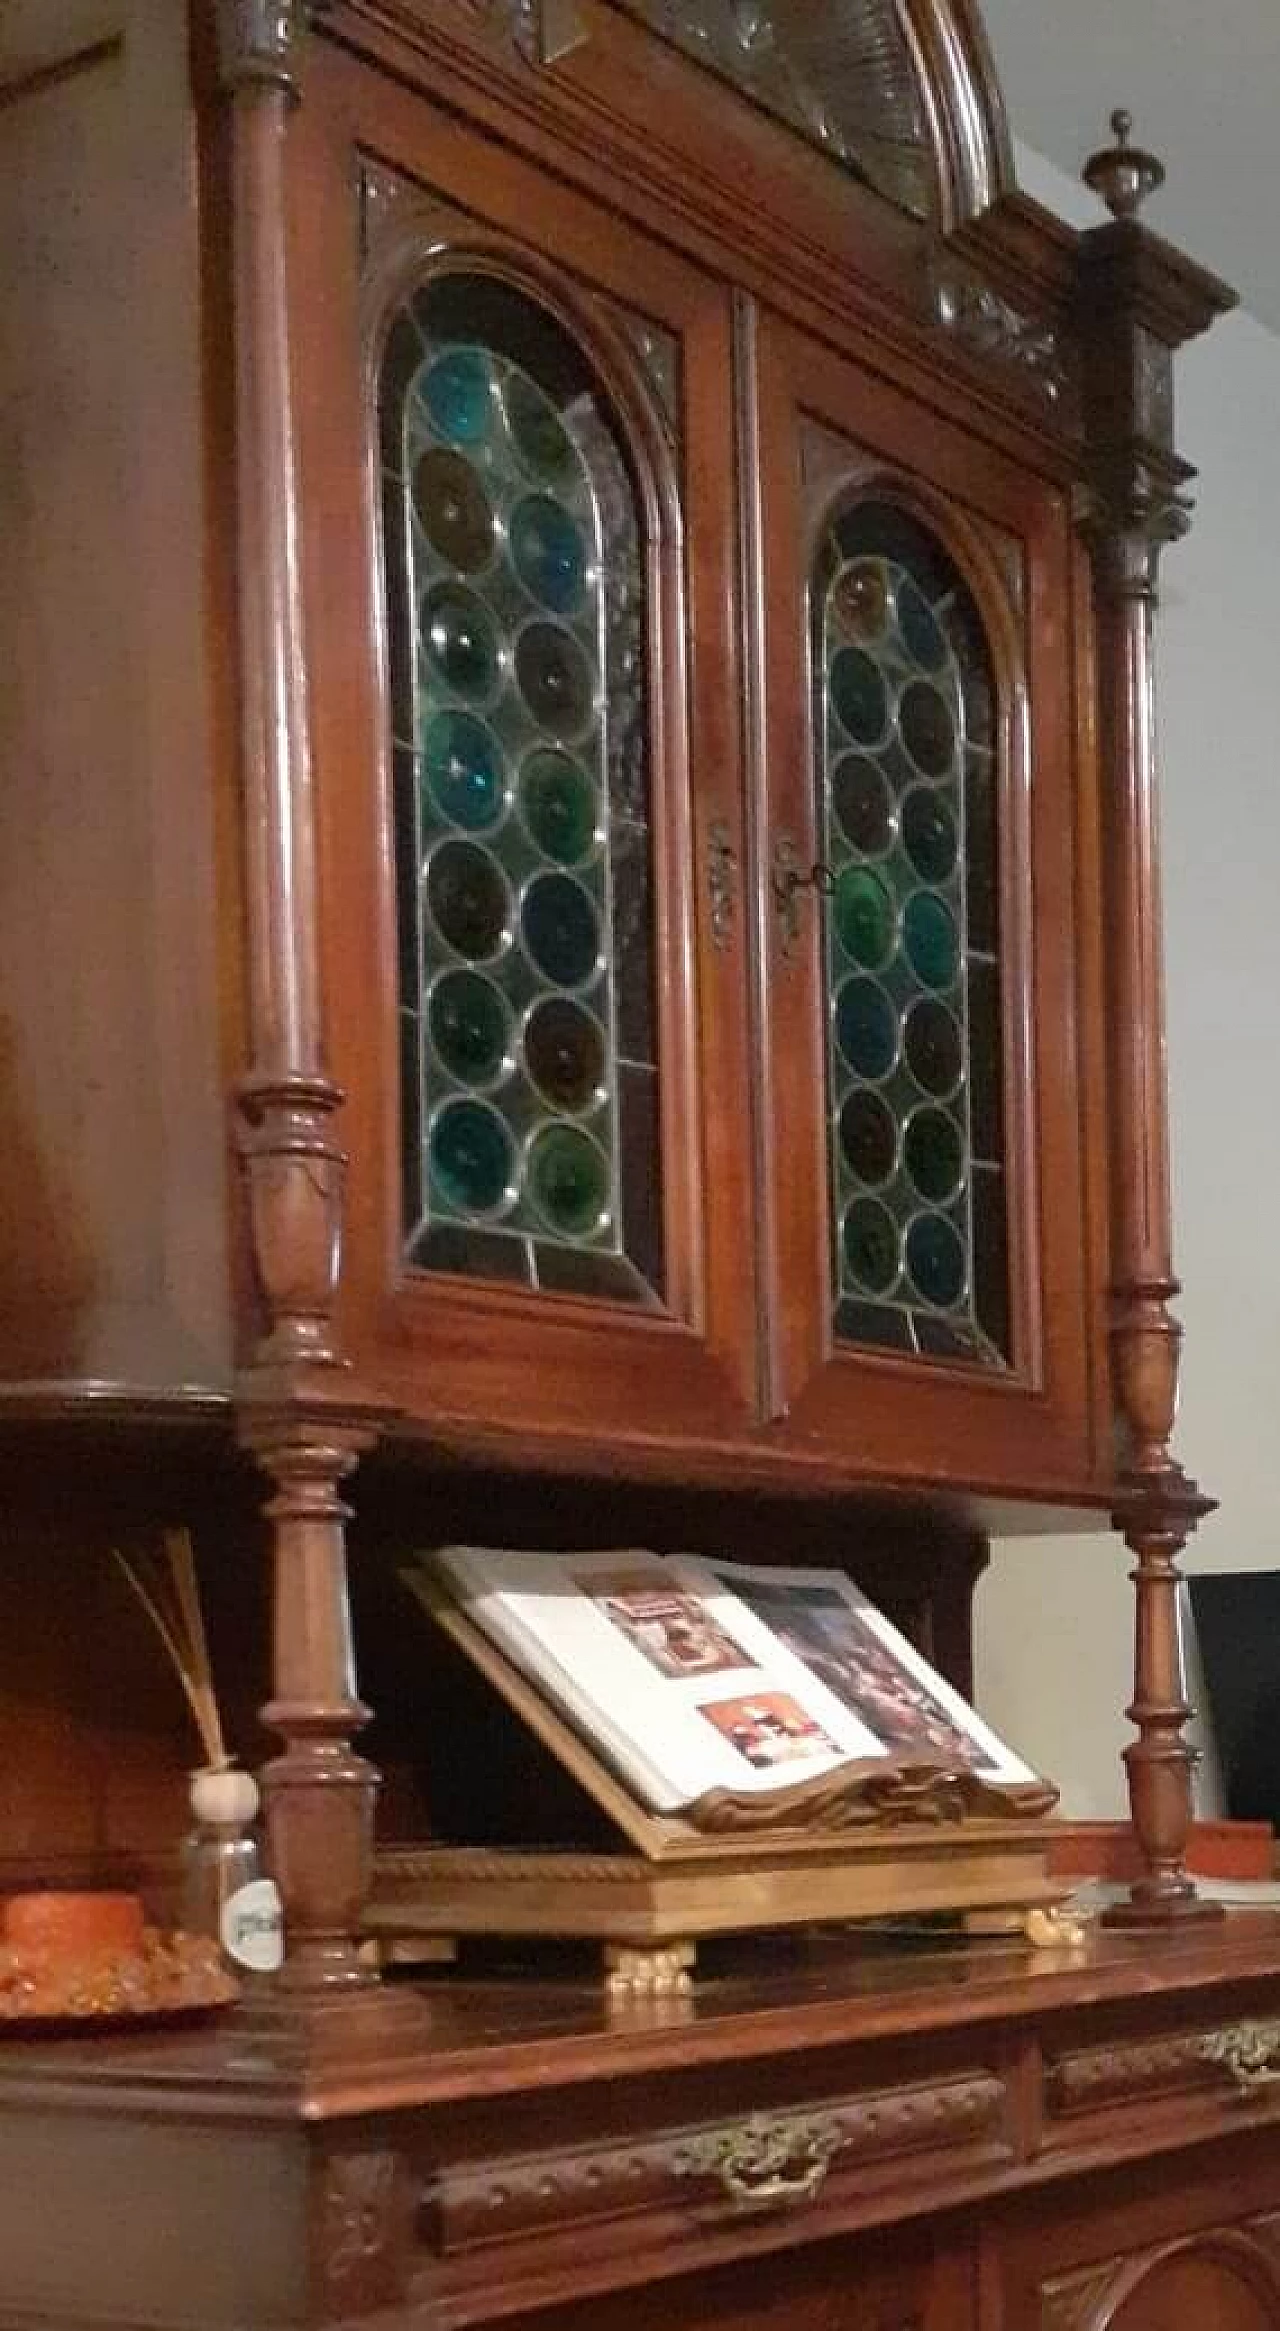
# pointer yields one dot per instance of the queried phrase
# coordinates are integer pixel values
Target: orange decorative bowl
(62, 1926)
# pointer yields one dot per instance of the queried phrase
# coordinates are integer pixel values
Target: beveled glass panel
(516, 624)
(905, 738)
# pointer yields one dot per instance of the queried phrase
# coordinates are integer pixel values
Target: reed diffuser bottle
(226, 1893)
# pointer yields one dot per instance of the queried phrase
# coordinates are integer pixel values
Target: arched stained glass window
(907, 738)
(515, 572)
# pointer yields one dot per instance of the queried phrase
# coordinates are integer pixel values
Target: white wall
(1054, 1616)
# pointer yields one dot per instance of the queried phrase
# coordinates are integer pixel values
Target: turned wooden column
(298, 1410)
(1138, 301)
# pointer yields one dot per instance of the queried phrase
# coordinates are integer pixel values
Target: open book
(689, 1676)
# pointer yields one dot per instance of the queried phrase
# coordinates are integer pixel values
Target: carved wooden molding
(493, 2201)
(1090, 2077)
(1092, 2297)
(361, 2216)
(993, 327)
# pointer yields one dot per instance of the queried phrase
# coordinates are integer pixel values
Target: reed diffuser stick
(169, 1592)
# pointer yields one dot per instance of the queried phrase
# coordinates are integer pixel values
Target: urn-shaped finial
(1123, 174)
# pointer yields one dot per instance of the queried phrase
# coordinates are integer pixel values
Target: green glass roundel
(469, 900)
(866, 1028)
(871, 1245)
(535, 428)
(460, 641)
(554, 679)
(453, 509)
(859, 695)
(469, 1025)
(561, 929)
(934, 1153)
(548, 553)
(929, 833)
(931, 939)
(935, 1259)
(471, 1157)
(860, 601)
(864, 917)
(457, 392)
(564, 1053)
(927, 727)
(931, 1040)
(868, 1138)
(558, 804)
(922, 634)
(863, 804)
(568, 1180)
(463, 765)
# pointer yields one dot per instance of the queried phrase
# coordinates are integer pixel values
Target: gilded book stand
(860, 1843)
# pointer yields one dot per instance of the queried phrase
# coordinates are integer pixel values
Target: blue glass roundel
(535, 428)
(458, 393)
(871, 1245)
(472, 1157)
(866, 1028)
(931, 939)
(548, 553)
(464, 770)
(470, 1025)
(935, 1260)
(561, 929)
(922, 633)
(859, 695)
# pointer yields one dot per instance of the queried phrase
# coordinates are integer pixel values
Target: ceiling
(1203, 85)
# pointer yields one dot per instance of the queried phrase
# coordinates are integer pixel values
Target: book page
(866, 1664)
(677, 1684)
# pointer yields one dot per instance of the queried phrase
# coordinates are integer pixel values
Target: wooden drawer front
(1204, 2076)
(678, 2198)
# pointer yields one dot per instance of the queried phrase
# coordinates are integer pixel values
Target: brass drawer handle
(1247, 2050)
(764, 2163)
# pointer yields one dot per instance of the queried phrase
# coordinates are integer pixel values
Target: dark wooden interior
(785, 272)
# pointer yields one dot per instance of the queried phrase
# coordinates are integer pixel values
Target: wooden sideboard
(844, 2138)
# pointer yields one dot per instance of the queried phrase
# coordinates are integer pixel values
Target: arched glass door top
(515, 570)
(907, 738)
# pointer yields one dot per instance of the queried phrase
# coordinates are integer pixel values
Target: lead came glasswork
(516, 578)
(905, 742)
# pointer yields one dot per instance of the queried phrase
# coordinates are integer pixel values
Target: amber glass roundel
(906, 738)
(453, 509)
(564, 1052)
(554, 678)
(469, 900)
(519, 574)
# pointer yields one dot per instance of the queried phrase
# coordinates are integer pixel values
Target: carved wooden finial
(1123, 175)
(262, 40)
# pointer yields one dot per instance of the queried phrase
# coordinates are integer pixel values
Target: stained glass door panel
(906, 737)
(514, 554)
